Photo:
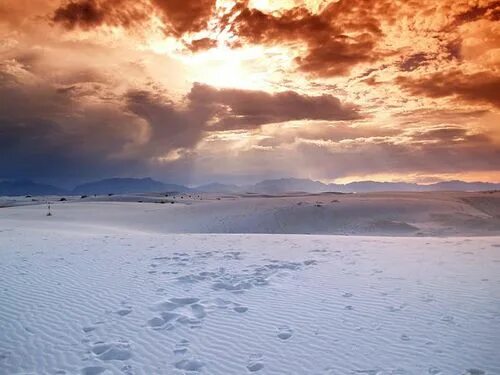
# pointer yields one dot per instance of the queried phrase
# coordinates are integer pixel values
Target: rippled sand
(109, 300)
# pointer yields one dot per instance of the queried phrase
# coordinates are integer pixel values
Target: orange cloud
(483, 87)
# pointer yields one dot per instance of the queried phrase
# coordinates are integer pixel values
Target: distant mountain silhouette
(284, 185)
(26, 187)
(467, 186)
(288, 185)
(127, 185)
(216, 187)
(276, 186)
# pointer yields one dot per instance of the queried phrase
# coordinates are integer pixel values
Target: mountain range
(127, 185)
(275, 186)
(26, 187)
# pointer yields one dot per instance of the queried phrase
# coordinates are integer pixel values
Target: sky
(238, 91)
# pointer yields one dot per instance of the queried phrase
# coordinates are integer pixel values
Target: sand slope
(400, 214)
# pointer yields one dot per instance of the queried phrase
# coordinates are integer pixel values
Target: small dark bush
(83, 196)
(62, 199)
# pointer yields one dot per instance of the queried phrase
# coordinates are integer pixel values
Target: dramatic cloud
(186, 16)
(188, 91)
(179, 16)
(76, 129)
(486, 10)
(340, 36)
(483, 87)
(240, 109)
(93, 13)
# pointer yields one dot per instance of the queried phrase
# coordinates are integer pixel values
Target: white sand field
(387, 214)
(142, 288)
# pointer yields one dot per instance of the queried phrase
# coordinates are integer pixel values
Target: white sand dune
(400, 214)
(98, 289)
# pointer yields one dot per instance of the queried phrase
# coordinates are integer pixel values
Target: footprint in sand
(181, 347)
(448, 319)
(119, 351)
(240, 309)
(255, 363)
(284, 332)
(127, 370)
(185, 310)
(93, 370)
(184, 301)
(434, 371)
(198, 311)
(191, 365)
(474, 371)
(124, 312)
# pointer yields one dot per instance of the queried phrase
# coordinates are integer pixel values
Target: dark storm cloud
(79, 127)
(38, 148)
(89, 14)
(243, 109)
(480, 87)
(342, 35)
(489, 11)
(170, 127)
(414, 61)
(179, 16)
(45, 131)
(184, 16)
(202, 44)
